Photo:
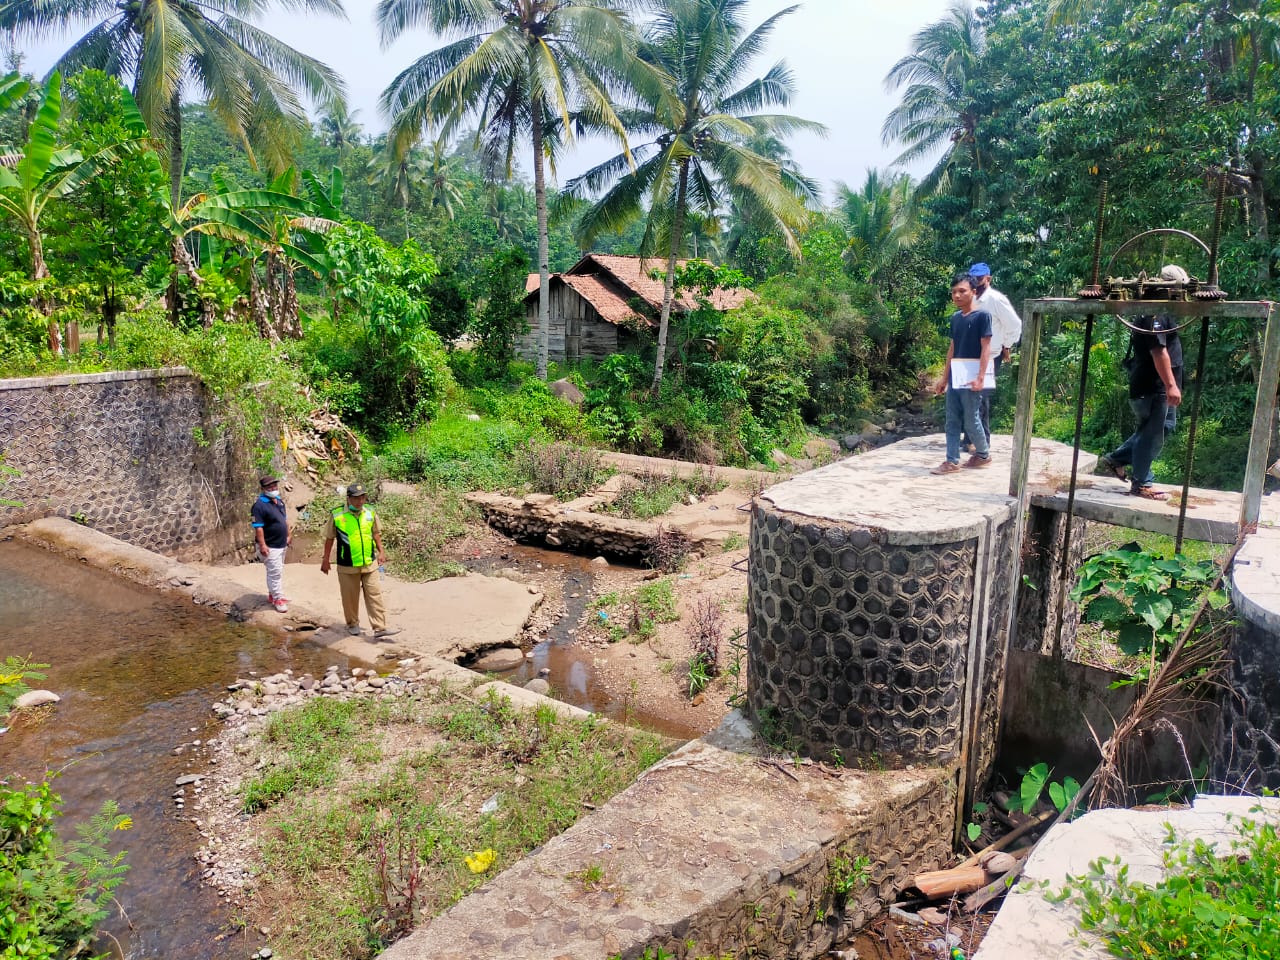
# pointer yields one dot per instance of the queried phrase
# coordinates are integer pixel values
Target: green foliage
(313, 740)
(53, 892)
(1211, 904)
(501, 320)
(14, 674)
(560, 469)
(1033, 785)
(457, 452)
(397, 360)
(845, 875)
(1145, 600)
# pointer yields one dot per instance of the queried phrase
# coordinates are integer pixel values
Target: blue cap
(979, 270)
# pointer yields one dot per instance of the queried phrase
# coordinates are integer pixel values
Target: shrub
(53, 893)
(560, 469)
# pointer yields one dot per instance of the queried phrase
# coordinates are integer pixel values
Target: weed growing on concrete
(651, 494)
(591, 877)
(775, 733)
(734, 541)
(561, 469)
(1211, 904)
(845, 875)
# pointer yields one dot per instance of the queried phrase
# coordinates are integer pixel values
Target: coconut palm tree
(339, 127)
(881, 220)
(209, 49)
(520, 67)
(701, 113)
(938, 107)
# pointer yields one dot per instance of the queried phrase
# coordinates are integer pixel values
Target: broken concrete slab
(1029, 925)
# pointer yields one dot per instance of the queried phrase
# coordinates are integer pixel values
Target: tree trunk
(544, 255)
(40, 271)
(669, 281)
(110, 311)
(176, 155)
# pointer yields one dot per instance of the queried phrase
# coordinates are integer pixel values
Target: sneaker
(281, 605)
(977, 461)
(353, 629)
(386, 632)
(946, 466)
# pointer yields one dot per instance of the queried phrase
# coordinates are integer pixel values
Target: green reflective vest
(355, 536)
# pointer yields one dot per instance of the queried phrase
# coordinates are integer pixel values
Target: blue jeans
(964, 414)
(1156, 420)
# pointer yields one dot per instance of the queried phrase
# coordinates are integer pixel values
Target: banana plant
(262, 221)
(45, 170)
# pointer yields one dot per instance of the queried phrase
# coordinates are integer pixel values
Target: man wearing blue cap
(1006, 327)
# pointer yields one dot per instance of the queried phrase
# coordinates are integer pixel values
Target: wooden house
(599, 305)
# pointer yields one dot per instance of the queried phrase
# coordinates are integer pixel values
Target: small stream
(137, 672)
(571, 672)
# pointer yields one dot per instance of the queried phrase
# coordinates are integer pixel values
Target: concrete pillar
(1247, 754)
(1042, 563)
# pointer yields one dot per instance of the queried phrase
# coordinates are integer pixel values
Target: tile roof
(634, 274)
(607, 300)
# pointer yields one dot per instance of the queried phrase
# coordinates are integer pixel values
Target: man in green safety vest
(360, 558)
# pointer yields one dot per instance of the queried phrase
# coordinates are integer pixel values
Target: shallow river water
(137, 673)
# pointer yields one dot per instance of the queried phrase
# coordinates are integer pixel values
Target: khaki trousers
(351, 580)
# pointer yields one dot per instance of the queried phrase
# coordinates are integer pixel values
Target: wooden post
(1024, 420)
(1260, 437)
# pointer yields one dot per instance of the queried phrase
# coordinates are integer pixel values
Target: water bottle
(382, 571)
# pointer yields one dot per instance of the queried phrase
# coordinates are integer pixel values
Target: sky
(838, 50)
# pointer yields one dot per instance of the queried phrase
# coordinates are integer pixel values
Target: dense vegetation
(345, 267)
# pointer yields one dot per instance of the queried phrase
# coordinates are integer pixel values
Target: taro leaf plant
(1145, 601)
(45, 170)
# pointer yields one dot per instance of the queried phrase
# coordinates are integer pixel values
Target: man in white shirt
(1006, 326)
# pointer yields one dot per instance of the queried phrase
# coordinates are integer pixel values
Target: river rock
(188, 778)
(538, 685)
(599, 562)
(502, 658)
(35, 698)
(821, 446)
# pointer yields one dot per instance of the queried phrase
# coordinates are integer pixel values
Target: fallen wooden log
(936, 884)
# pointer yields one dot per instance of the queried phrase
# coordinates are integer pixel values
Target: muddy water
(572, 673)
(137, 673)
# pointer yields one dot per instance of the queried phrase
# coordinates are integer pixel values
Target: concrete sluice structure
(880, 608)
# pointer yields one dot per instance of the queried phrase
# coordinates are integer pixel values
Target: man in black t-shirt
(1154, 365)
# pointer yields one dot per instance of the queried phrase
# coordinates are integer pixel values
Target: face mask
(273, 494)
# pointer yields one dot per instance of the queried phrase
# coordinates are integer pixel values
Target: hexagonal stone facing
(874, 666)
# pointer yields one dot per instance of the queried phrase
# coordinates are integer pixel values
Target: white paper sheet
(964, 372)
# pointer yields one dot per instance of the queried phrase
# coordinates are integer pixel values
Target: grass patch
(309, 744)
(652, 494)
(560, 469)
(386, 844)
(634, 616)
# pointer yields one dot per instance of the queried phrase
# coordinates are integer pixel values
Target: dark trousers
(1156, 420)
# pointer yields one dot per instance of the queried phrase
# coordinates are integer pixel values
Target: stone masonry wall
(134, 454)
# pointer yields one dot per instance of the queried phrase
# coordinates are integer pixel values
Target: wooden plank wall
(576, 328)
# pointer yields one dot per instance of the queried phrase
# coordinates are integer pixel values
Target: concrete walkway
(442, 619)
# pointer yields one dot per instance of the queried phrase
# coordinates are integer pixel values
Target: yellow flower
(481, 861)
(8, 678)
(124, 823)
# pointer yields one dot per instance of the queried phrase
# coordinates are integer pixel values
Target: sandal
(946, 466)
(1148, 493)
(1106, 465)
